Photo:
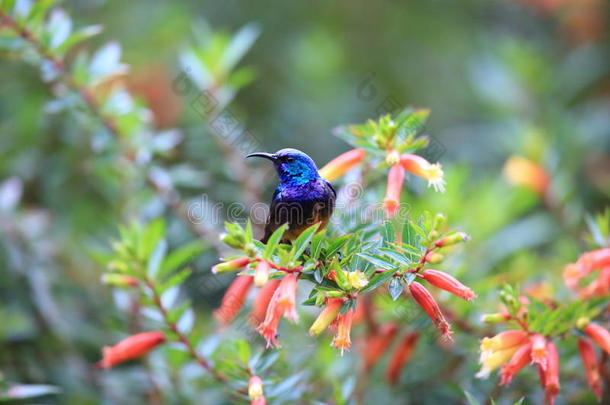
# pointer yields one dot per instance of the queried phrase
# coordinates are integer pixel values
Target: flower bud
(255, 390)
(451, 239)
(425, 300)
(261, 273)
(236, 241)
(231, 265)
(342, 164)
(448, 283)
(328, 315)
(494, 318)
(119, 280)
(434, 258)
(130, 348)
(591, 365)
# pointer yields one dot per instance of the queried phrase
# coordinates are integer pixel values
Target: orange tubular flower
(520, 359)
(539, 350)
(255, 391)
(259, 307)
(391, 202)
(421, 167)
(234, 299)
(261, 273)
(523, 172)
(130, 348)
(551, 375)
(282, 304)
(231, 265)
(503, 340)
(591, 364)
(401, 357)
(342, 164)
(425, 300)
(448, 283)
(376, 344)
(328, 315)
(599, 335)
(342, 339)
(287, 296)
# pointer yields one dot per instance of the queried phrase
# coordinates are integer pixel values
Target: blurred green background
(503, 78)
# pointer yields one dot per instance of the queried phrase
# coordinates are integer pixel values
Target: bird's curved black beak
(269, 156)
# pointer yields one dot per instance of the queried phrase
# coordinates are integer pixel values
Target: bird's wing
(276, 217)
(331, 187)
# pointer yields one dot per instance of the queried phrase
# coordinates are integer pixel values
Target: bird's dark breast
(300, 208)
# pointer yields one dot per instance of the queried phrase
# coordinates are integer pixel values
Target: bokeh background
(503, 78)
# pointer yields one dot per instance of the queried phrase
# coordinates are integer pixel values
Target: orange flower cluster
(586, 264)
(512, 350)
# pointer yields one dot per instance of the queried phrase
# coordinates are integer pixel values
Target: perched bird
(302, 198)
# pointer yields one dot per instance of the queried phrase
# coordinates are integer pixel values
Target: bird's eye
(289, 159)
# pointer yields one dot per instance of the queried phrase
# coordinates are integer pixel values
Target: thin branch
(182, 337)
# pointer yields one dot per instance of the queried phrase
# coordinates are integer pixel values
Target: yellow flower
(357, 279)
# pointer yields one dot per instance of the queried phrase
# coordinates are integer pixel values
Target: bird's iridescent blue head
(291, 165)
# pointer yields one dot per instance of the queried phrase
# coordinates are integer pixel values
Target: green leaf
(179, 257)
(396, 256)
(316, 244)
(377, 280)
(25, 391)
(471, 399)
(150, 237)
(395, 288)
(378, 261)
(301, 243)
(156, 258)
(336, 245)
(273, 241)
(176, 279)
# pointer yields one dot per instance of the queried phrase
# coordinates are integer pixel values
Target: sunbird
(302, 198)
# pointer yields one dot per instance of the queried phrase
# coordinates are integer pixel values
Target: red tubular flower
(287, 296)
(599, 335)
(259, 307)
(268, 328)
(591, 364)
(130, 348)
(401, 356)
(282, 304)
(328, 315)
(376, 344)
(391, 202)
(448, 283)
(231, 265)
(255, 391)
(595, 259)
(342, 164)
(421, 167)
(342, 339)
(234, 299)
(551, 375)
(520, 359)
(539, 350)
(425, 300)
(261, 273)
